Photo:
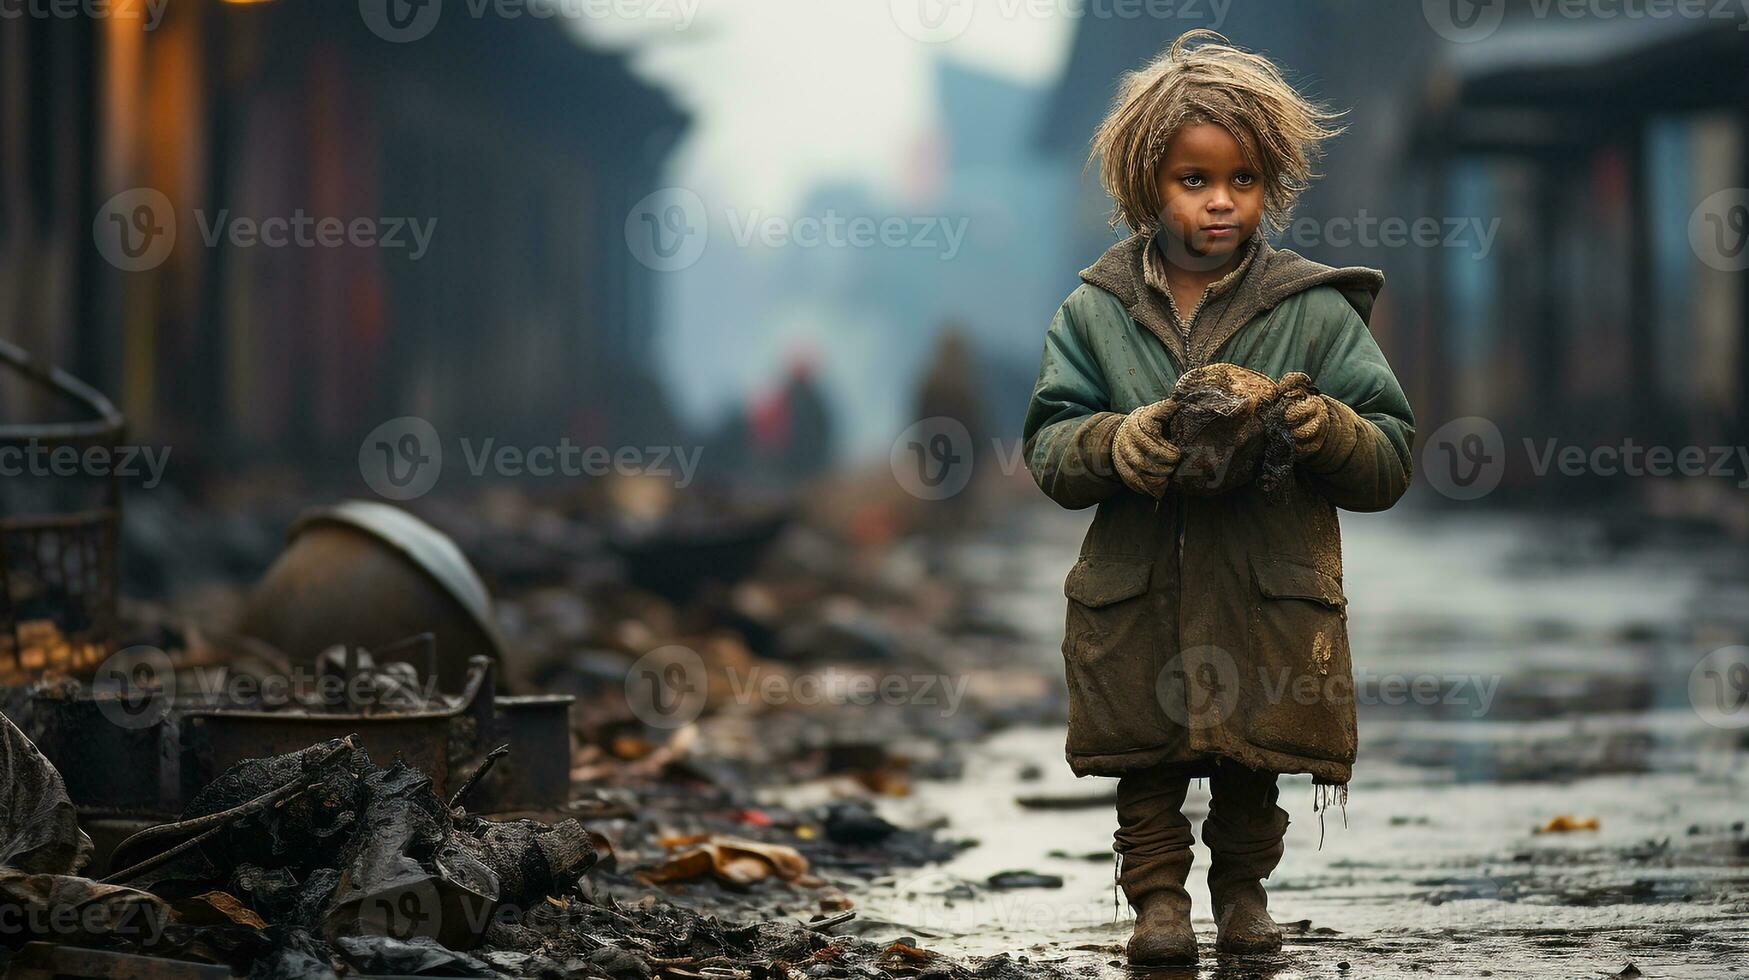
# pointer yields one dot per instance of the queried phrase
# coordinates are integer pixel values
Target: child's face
(1214, 197)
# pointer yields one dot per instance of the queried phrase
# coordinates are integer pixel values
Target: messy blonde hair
(1204, 79)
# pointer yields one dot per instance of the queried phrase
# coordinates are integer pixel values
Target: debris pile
(321, 862)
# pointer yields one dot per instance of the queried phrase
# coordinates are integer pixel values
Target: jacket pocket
(1109, 646)
(1298, 636)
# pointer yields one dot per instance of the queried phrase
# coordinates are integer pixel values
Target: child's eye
(1244, 180)
(1192, 180)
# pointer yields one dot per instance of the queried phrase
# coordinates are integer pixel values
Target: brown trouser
(1243, 831)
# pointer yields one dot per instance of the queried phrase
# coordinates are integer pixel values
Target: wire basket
(60, 520)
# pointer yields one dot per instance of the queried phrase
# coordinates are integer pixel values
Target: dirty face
(1213, 197)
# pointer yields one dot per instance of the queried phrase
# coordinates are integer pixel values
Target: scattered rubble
(322, 863)
(342, 826)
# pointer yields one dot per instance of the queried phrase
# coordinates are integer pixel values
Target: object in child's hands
(1228, 424)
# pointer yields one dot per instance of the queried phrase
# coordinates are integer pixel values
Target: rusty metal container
(365, 574)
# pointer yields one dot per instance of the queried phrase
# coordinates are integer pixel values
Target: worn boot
(1244, 834)
(1153, 839)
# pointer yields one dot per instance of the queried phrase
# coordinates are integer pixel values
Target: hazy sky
(788, 92)
(787, 95)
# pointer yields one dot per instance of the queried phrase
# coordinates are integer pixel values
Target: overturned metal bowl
(366, 574)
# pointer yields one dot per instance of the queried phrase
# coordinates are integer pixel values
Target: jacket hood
(1274, 275)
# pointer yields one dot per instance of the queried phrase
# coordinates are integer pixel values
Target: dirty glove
(1143, 456)
(1324, 429)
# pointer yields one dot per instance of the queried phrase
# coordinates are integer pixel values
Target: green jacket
(1208, 627)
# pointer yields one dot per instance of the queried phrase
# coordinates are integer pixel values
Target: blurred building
(997, 297)
(515, 150)
(1615, 306)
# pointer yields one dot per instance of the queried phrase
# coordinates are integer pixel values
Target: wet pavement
(1545, 671)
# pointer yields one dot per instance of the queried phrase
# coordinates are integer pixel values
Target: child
(1207, 635)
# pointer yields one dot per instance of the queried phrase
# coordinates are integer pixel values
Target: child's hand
(1144, 457)
(1320, 425)
(1306, 413)
(1307, 418)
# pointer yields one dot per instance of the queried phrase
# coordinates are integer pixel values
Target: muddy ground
(1514, 671)
(1560, 655)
